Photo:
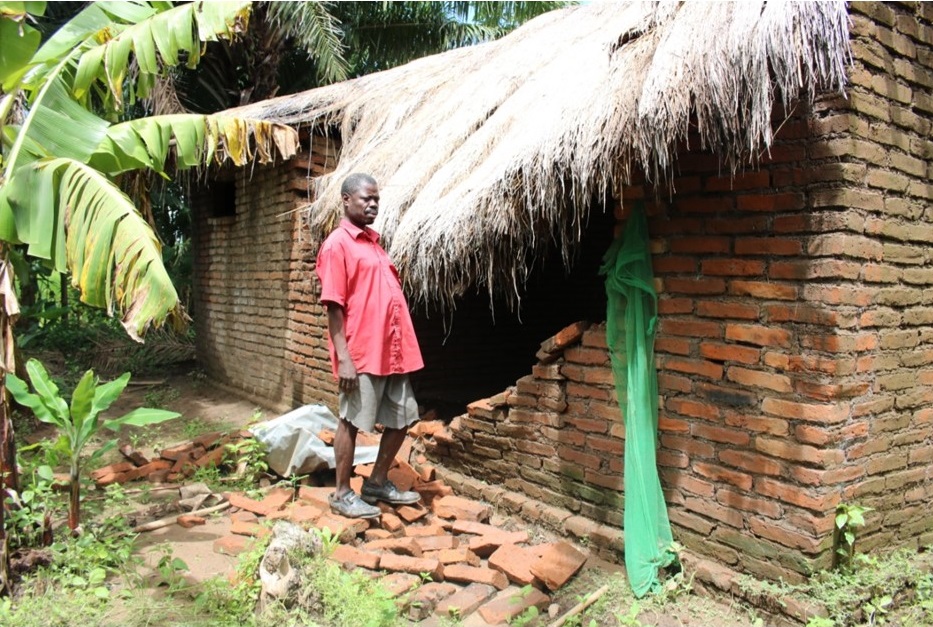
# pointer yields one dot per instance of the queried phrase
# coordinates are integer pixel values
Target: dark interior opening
(478, 355)
(220, 198)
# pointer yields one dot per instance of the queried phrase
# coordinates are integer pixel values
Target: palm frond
(315, 30)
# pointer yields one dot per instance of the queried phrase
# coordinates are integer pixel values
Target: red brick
(315, 496)
(726, 309)
(690, 328)
(238, 499)
(432, 490)
(732, 267)
(699, 367)
(232, 545)
(399, 583)
(376, 534)
(188, 521)
(829, 413)
(304, 514)
(807, 499)
(703, 244)
(423, 600)
(694, 409)
(768, 246)
(558, 563)
(411, 514)
(503, 609)
(720, 434)
(399, 546)
(403, 475)
(759, 335)
(749, 504)
(419, 531)
(344, 528)
(694, 285)
(461, 509)
(690, 446)
(276, 500)
(437, 543)
(724, 475)
(346, 554)
(757, 378)
(133, 456)
(674, 264)
(764, 290)
(462, 573)
(255, 530)
(112, 469)
(453, 556)
(790, 201)
(673, 345)
(391, 523)
(565, 337)
(414, 565)
(668, 306)
(716, 351)
(753, 462)
(177, 452)
(465, 601)
(514, 562)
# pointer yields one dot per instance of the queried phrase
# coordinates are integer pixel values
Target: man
(372, 348)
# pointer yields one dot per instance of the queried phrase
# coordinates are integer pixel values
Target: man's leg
(344, 450)
(389, 445)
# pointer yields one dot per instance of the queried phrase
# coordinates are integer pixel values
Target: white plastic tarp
(293, 445)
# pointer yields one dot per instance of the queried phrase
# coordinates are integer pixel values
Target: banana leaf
(93, 230)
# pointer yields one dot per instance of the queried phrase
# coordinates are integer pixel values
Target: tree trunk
(9, 310)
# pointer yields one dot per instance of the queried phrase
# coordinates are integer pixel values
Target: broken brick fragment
(463, 573)
(558, 563)
(188, 521)
(461, 509)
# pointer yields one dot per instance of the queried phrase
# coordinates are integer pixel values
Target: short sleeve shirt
(356, 273)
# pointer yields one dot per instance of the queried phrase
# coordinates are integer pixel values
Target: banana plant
(66, 137)
(80, 420)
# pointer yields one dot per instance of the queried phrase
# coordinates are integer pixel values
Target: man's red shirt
(356, 273)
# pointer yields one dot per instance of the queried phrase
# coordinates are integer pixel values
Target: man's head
(360, 195)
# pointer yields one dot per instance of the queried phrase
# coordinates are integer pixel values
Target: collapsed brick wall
(794, 347)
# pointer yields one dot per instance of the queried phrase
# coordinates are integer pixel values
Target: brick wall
(795, 341)
(258, 330)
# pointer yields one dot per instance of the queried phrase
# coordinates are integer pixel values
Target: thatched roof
(486, 155)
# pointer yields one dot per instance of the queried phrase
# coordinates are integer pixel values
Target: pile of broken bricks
(474, 569)
(175, 463)
(477, 572)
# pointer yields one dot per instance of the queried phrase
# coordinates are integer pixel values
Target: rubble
(465, 560)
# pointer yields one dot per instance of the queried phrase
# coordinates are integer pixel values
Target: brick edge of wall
(606, 542)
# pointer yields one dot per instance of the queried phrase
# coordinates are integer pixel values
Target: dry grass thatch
(487, 154)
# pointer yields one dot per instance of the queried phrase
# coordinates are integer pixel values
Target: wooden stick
(580, 607)
(171, 520)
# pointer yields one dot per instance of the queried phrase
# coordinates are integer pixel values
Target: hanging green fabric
(631, 318)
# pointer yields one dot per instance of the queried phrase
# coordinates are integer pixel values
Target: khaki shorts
(387, 400)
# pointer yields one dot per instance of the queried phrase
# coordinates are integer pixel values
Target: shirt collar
(356, 231)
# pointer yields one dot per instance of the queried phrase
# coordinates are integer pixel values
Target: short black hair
(355, 181)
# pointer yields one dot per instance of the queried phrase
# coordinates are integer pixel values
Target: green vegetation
(80, 421)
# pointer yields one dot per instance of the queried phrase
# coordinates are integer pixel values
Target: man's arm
(346, 371)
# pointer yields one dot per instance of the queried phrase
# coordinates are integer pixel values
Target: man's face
(362, 206)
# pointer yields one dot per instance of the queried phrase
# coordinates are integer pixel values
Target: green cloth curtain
(631, 318)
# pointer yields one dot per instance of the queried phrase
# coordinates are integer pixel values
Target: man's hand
(349, 380)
